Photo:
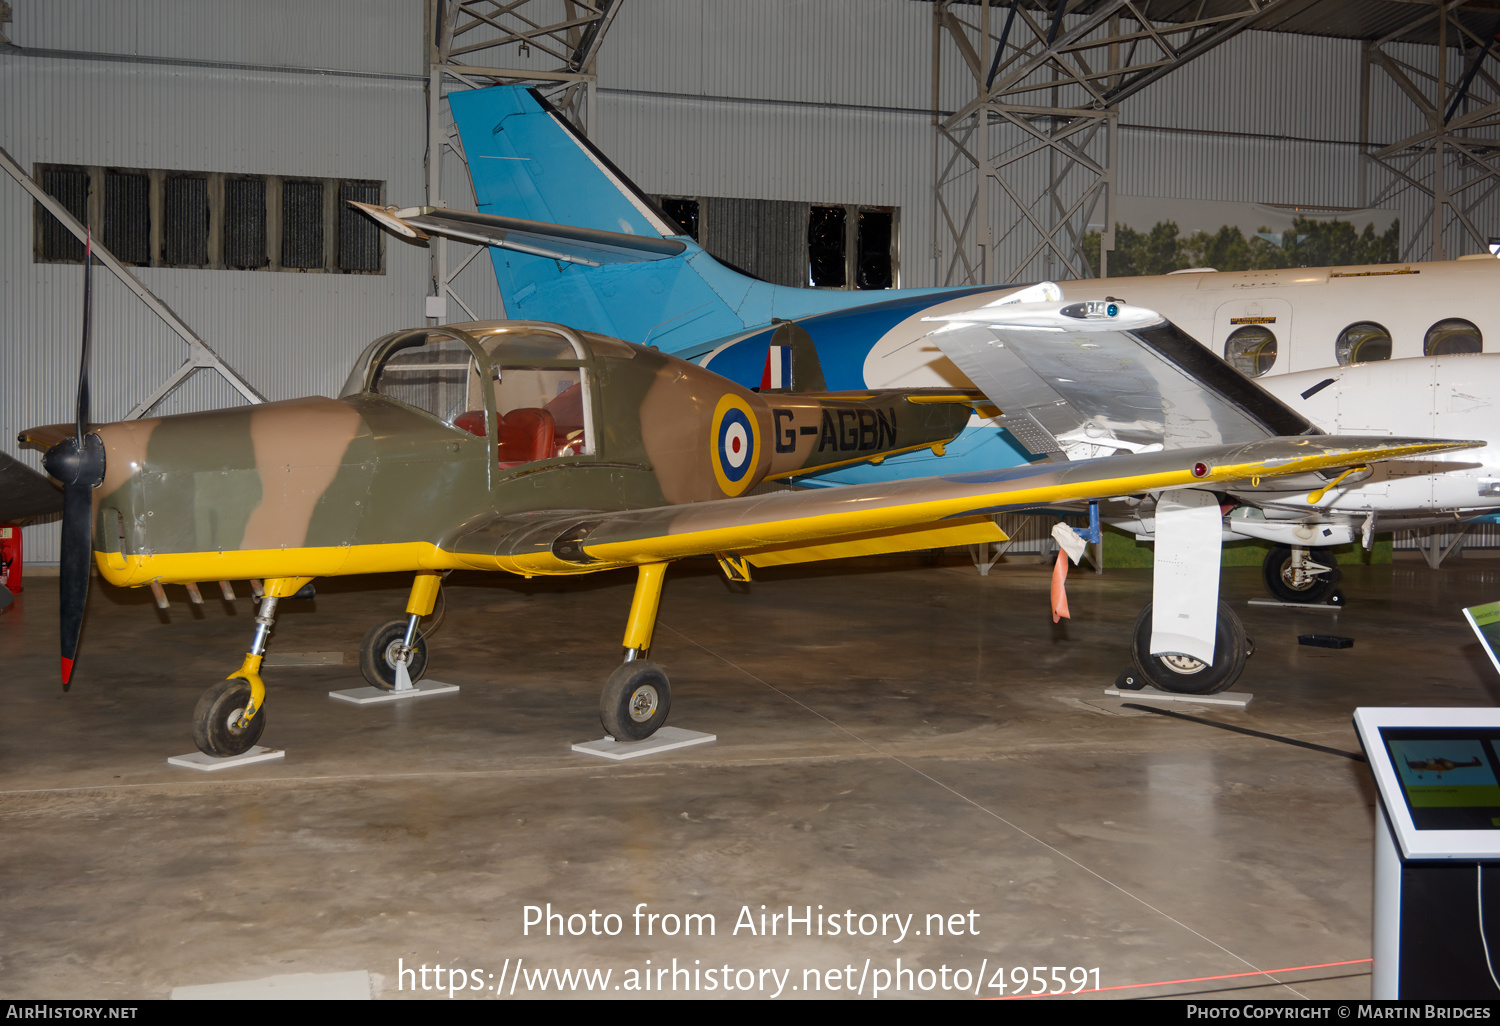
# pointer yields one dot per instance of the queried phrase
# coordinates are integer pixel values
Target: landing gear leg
(637, 697)
(392, 654)
(230, 716)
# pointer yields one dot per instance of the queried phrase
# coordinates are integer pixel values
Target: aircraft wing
(24, 493)
(1085, 379)
(890, 517)
(591, 247)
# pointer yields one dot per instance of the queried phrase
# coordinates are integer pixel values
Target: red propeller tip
(67, 669)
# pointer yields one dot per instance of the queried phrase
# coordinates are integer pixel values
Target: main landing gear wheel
(216, 729)
(1184, 674)
(377, 655)
(1291, 583)
(635, 702)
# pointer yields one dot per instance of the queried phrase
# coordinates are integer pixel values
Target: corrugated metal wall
(760, 99)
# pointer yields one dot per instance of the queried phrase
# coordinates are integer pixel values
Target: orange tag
(1059, 589)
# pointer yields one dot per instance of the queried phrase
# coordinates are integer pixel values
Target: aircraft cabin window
(1452, 337)
(1365, 342)
(438, 376)
(1251, 350)
(542, 410)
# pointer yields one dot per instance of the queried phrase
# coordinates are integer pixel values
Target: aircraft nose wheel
(635, 701)
(379, 650)
(1291, 582)
(1184, 674)
(216, 720)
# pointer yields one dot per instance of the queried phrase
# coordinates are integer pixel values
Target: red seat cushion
(471, 421)
(526, 434)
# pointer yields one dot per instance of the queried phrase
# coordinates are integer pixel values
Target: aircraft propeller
(78, 463)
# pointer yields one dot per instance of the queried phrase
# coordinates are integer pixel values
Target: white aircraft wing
(1086, 378)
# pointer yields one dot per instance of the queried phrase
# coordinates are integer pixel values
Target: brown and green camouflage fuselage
(368, 483)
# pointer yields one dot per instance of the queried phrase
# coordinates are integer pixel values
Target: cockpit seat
(527, 434)
(471, 421)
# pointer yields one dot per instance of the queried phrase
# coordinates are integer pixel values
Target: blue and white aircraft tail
(528, 163)
(585, 246)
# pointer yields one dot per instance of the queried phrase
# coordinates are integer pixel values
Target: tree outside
(1308, 243)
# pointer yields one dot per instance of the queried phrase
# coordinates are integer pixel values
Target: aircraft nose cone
(74, 465)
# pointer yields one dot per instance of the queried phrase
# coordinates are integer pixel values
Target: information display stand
(1437, 851)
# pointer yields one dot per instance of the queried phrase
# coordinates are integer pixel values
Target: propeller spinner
(78, 464)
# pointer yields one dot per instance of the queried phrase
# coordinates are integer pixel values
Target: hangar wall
(824, 102)
(830, 102)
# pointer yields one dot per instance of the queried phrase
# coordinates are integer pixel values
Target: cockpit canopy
(535, 379)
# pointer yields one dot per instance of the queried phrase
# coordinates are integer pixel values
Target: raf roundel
(736, 444)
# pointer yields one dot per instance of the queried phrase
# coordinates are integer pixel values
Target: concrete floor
(900, 739)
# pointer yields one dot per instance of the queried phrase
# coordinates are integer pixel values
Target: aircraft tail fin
(792, 362)
(529, 166)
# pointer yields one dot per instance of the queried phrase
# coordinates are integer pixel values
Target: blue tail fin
(527, 162)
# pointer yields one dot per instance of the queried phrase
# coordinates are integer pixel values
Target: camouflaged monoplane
(533, 448)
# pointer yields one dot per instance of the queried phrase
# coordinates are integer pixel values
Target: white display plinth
(1312, 607)
(210, 763)
(371, 696)
(1238, 699)
(664, 740)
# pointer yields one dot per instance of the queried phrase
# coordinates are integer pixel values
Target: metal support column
(1025, 163)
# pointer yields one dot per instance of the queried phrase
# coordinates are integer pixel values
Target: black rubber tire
(213, 719)
(375, 661)
(635, 701)
(1276, 570)
(1192, 677)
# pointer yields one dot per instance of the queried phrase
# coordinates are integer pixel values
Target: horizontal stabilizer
(591, 247)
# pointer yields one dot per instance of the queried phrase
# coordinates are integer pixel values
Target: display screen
(1448, 775)
(1485, 620)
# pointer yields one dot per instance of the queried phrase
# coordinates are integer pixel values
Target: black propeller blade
(78, 463)
(24, 493)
